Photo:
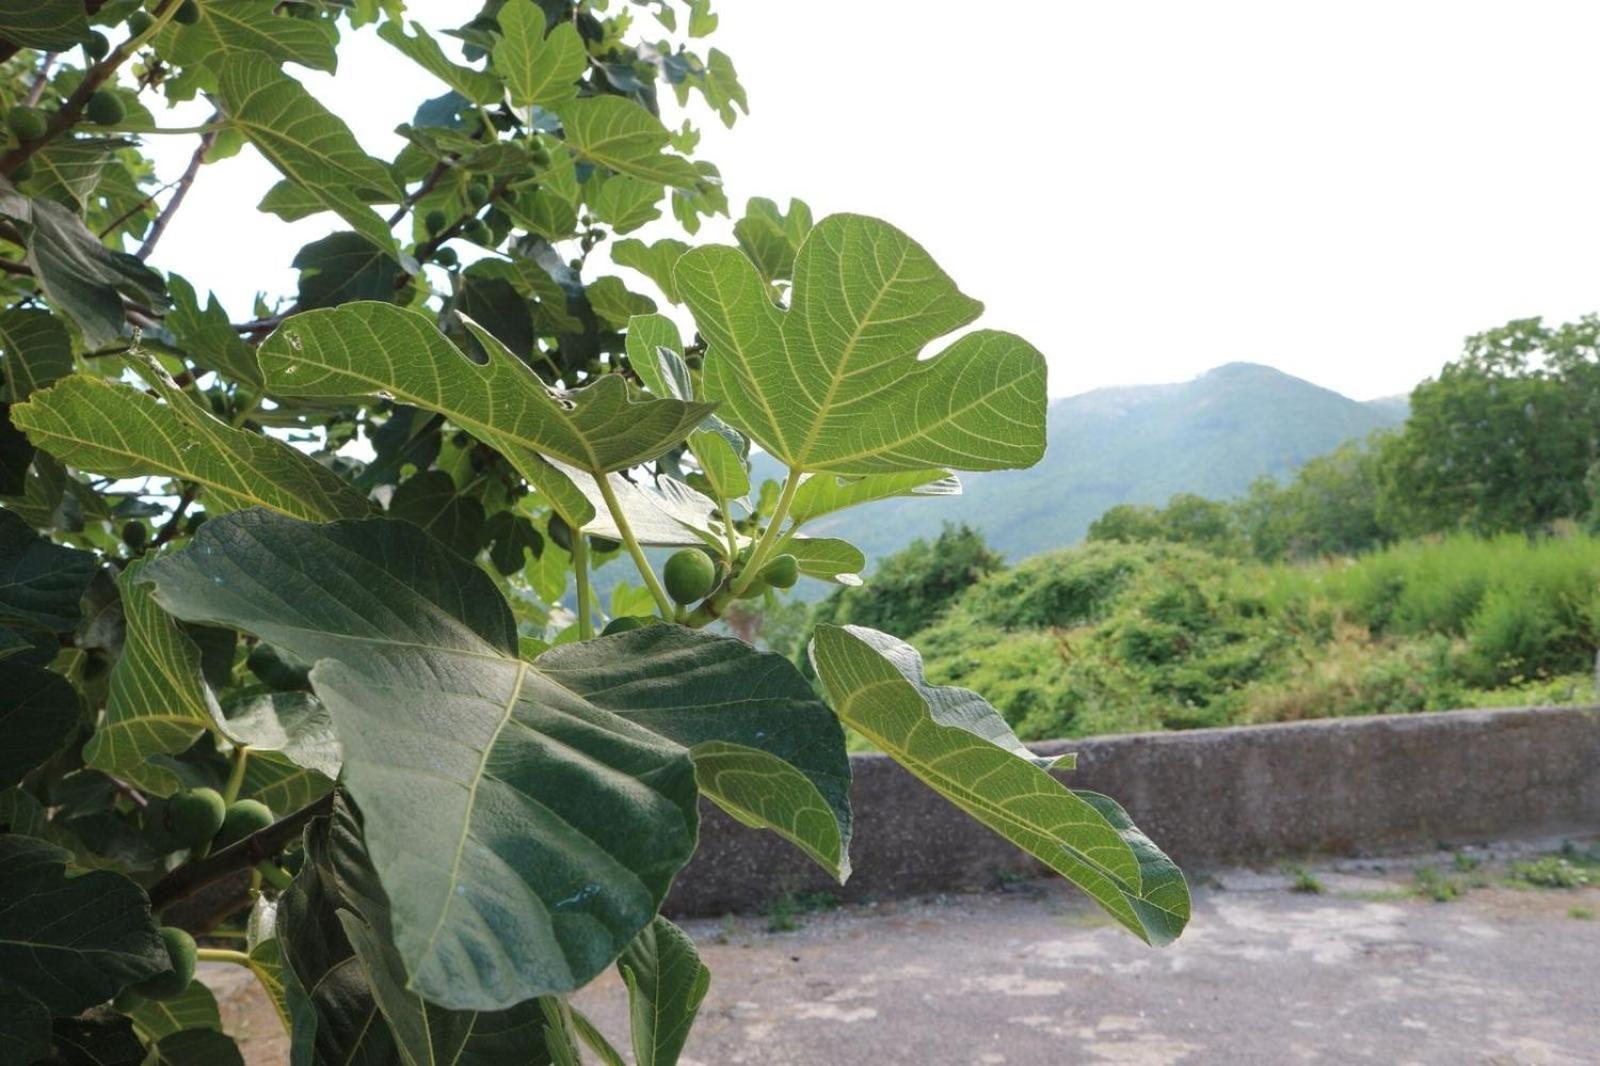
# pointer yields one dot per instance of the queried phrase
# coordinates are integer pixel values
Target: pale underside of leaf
(959, 746)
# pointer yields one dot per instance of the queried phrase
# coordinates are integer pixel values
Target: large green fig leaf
(35, 350)
(70, 942)
(377, 349)
(538, 69)
(48, 25)
(111, 428)
(309, 144)
(82, 277)
(960, 746)
(544, 806)
(38, 711)
(617, 133)
(823, 494)
(227, 32)
(475, 85)
(158, 702)
(835, 383)
(666, 982)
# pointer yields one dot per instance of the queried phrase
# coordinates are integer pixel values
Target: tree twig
(170, 529)
(159, 227)
(262, 844)
(41, 79)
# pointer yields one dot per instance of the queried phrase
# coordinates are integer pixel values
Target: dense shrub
(1120, 637)
(913, 587)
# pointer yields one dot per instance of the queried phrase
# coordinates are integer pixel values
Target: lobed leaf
(158, 702)
(115, 429)
(960, 747)
(378, 349)
(835, 383)
(618, 134)
(538, 69)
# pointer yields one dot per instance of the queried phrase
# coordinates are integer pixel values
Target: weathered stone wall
(1208, 797)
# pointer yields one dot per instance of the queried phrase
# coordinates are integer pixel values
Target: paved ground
(1363, 971)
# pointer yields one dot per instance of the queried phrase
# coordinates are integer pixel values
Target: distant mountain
(1132, 444)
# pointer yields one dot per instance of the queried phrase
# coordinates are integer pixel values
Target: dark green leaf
(71, 942)
(449, 740)
(38, 711)
(41, 584)
(207, 336)
(346, 266)
(430, 500)
(48, 25)
(666, 983)
(97, 1039)
(82, 277)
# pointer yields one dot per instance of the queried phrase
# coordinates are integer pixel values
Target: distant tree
(912, 589)
(1128, 523)
(1505, 438)
(1186, 519)
(1330, 508)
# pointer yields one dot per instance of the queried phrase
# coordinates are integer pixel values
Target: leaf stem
(159, 226)
(580, 567)
(631, 542)
(763, 548)
(241, 756)
(238, 958)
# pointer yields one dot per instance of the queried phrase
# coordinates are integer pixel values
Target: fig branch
(241, 855)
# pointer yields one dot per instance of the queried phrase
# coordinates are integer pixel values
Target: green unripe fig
(540, 156)
(604, 544)
(478, 193)
(477, 231)
(195, 815)
(782, 572)
(623, 623)
(188, 13)
(134, 534)
(22, 171)
(434, 221)
(689, 575)
(560, 532)
(96, 46)
(183, 955)
(139, 21)
(127, 1001)
(242, 818)
(105, 108)
(446, 257)
(28, 123)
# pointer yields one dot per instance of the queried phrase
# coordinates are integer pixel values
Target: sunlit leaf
(538, 69)
(835, 383)
(115, 429)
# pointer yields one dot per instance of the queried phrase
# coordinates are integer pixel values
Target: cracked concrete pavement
(1364, 971)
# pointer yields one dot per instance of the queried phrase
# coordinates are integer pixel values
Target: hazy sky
(1144, 191)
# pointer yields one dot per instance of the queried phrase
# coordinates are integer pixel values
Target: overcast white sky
(1144, 191)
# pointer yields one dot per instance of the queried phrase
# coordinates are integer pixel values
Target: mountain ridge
(1211, 435)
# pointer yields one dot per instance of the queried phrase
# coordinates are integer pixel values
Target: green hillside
(1134, 444)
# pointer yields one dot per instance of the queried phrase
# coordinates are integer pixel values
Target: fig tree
(28, 123)
(446, 257)
(182, 953)
(478, 193)
(623, 623)
(434, 221)
(195, 815)
(139, 21)
(689, 575)
(477, 231)
(242, 818)
(96, 46)
(188, 13)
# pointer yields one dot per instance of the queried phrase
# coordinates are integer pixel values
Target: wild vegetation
(288, 679)
(1446, 564)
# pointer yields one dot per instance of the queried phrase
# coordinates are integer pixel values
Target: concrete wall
(1208, 797)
